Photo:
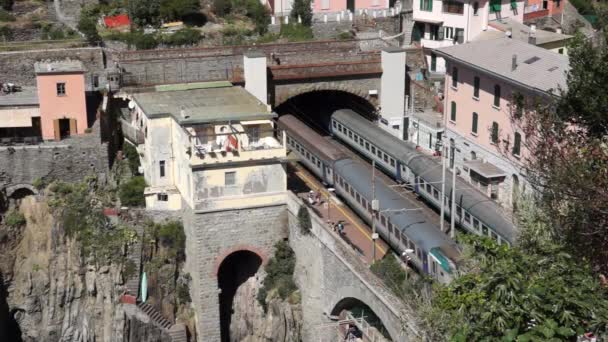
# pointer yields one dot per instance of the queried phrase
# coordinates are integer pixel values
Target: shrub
(302, 9)
(222, 7)
(129, 269)
(259, 14)
(177, 9)
(279, 273)
(185, 36)
(143, 41)
(38, 183)
(389, 270)
(304, 220)
(346, 35)
(14, 219)
(132, 157)
(5, 16)
(296, 32)
(132, 192)
(6, 33)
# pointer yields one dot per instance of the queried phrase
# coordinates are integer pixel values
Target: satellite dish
(131, 104)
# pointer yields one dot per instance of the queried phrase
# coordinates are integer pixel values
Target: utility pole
(443, 156)
(453, 210)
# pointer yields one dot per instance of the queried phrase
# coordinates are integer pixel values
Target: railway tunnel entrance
(315, 107)
(234, 270)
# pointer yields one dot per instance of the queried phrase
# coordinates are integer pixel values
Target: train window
(467, 217)
(363, 202)
(476, 223)
(367, 145)
(390, 228)
(351, 191)
(318, 163)
(356, 138)
(428, 188)
(377, 216)
(339, 128)
(458, 211)
(307, 155)
(314, 160)
(379, 154)
(361, 142)
(383, 220)
(421, 181)
(385, 158)
(357, 197)
(436, 194)
(333, 123)
(350, 134)
(494, 236)
(404, 240)
(392, 162)
(412, 246)
(289, 140)
(485, 231)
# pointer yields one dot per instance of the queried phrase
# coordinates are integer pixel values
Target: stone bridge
(330, 274)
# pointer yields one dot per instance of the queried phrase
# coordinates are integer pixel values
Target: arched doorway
(315, 107)
(21, 193)
(359, 310)
(234, 270)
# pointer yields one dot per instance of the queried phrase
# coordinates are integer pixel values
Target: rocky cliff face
(281, 323)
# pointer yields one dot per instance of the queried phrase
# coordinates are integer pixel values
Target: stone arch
(236, 248)
(343, 295)
(294, 90)
(19, 190)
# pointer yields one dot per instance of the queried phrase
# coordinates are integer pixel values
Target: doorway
(64, 128)
(350, 5)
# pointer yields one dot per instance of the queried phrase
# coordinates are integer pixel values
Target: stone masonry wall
(69, 160)
(18, 66)
(210, 237)
(358, 86)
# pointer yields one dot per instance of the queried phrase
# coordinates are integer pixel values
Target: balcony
(234, 143)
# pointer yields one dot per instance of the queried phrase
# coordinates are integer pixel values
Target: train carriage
(316, 153)
(475, 212)
(398, 220)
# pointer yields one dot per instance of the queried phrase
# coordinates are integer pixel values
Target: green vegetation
(132, 156)
(77, 208)
(177, 9)
(6, 16)
(7, 5)
(304, 220)
(345, 35)
(251, 9)
(52, 32)
(131, 193)
(516, 294)
(279, 274)
(38, 183)
(170, 237)
(296, 32)
(185, 36)
(302, 9)
(390, 271)
(14, 219)
(6, 33)
(88, 26)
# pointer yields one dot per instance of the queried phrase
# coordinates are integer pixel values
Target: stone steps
(156, 317)
(133, 284)
(178, 333)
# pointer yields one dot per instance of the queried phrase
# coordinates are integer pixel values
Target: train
(400, 159)
(397, 219)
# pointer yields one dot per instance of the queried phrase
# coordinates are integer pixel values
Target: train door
(416, 184)
(398, 172)
(425, 262)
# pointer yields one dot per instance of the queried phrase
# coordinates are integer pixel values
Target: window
(557, 3)
(253, 133)
(390, 228)
(428, 188)
(373, 150)
(357, 197)
(448, 32)
(385, 157)
(497, 96)
(476, 223)
(494, 236)
(161, 166)
(379, 154)
(350, 134)
(230, 178)
(334, 124)
(426, 5)
(340, 128)
(392, 162)
(162, 197)
(473, 155)
(475, 8)
(453, 7)
(61, 89)
(455, 77)
(453, 112)
(484, 230)
(356, 138)
(516, 144)
(467, 217)
(434, 62)
(494, 135)
(476, 83)
(475, 121)
(560, 51)
(383, 221)
(367, 145)
(436, 194)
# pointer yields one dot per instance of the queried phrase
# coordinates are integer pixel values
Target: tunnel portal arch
(233, 270)
(20, 191)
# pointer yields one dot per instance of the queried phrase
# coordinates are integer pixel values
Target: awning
(441, 259)
(487, 170)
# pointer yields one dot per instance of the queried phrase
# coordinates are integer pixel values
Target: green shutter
(495, 132)
(453, 114)
(475, 118)
(513, 4)
(517, 144)
(476, 87)
(495, 5)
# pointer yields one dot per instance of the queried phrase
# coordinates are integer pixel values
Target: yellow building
(211, 146)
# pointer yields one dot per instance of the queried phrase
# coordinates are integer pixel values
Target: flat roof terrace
(218, 103)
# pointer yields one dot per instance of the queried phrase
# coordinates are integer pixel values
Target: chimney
(514, 63)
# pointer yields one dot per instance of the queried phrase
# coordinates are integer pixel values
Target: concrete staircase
(156, 317)
(178, 333)
(134, 256)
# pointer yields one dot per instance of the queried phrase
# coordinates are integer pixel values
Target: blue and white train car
(474, 212)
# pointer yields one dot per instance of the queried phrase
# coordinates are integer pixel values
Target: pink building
(61, 96)
(543, 8)
(320, 7)
(487, 85)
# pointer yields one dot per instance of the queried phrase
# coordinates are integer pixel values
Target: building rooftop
(222, 102)
(520, 31)
(53, 67)
(430, 118)
(28, 96)
(536, 68)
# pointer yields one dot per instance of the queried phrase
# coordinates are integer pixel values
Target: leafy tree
(279, 273)
(142, 41)
(259, 14)
(7, 4)
(145, 12)
(177, 9)
(88, 27)
(521, 294)
(132, 192)
(302, 9)
(132, 157)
